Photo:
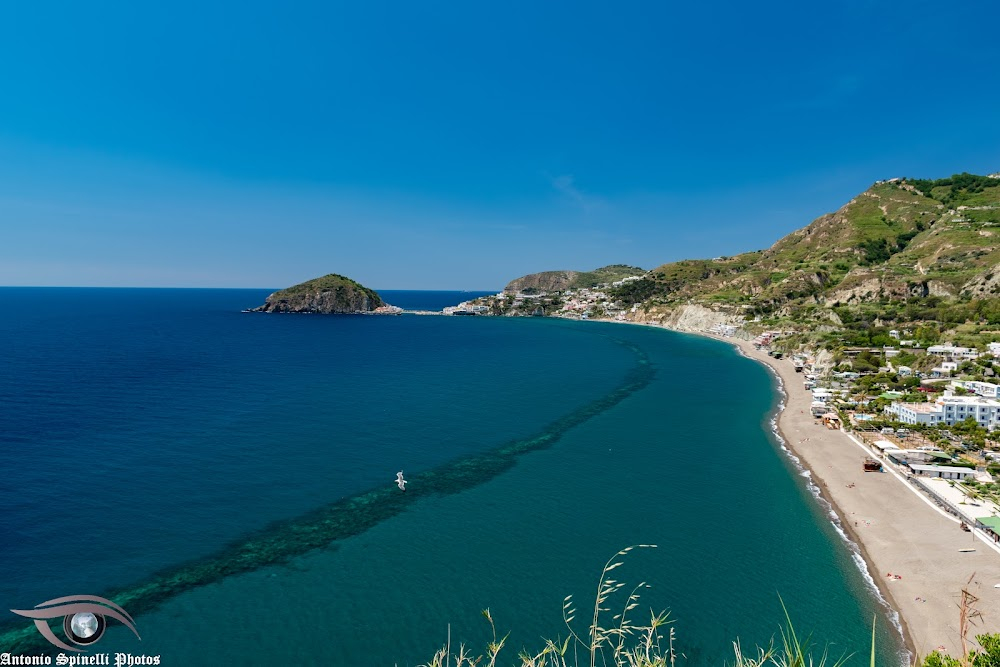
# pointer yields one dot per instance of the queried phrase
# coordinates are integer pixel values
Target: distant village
(579, 304)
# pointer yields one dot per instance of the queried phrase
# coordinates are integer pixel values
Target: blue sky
(457, 145)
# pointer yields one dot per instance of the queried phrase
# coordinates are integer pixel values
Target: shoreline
(915, 556)
(892, 527)
(822, 494)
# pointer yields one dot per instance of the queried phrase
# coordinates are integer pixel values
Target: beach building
(822, 394)
(723, 329)
(916, 413)
(944, 472)
(924, 456)
(883, 445)
(895, 455)
(990, 524)
(949, 409)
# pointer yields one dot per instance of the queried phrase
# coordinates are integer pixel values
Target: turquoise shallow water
(202, 427)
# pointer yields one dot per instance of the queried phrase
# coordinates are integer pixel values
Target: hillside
(910, 253)
(329, 294)
(555, 281)
(900, 240)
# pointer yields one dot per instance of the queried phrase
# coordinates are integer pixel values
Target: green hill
(898, 242)
(329, 294)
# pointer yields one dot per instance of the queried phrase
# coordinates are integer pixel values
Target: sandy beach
(896, 529)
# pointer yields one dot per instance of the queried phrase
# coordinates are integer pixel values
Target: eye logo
(83, 621)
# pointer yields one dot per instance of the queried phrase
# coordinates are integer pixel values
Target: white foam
(905, 659)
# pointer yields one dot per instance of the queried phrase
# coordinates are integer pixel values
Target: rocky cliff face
(687, 318)
(699, 318)
(547, 281)
(331, 294)
(558, 281)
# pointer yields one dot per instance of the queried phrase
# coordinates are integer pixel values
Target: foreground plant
(969, 615)
(619, 641)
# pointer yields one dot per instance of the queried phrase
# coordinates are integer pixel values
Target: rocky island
(327, 295)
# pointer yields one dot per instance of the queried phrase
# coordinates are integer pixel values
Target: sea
(228, 478)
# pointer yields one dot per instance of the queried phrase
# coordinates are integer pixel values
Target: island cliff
(330, 294)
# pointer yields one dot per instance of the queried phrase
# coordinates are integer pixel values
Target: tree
(927, 334)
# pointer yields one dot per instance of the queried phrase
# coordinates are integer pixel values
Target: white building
(949, 410)
(822, 394)
(945, 472)
(619, 283)
(723, 329)
(995, 349)
(986, 411)
(984, 389)
(917, 413)
(945, 369)
(953, 351)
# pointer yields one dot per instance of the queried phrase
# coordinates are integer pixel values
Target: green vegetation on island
(329, 294)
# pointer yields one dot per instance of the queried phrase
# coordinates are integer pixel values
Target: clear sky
(457, 145)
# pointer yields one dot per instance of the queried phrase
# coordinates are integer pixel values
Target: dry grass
(614, 639)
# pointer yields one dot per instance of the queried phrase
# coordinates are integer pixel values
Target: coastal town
(937, 428)
(583, 303)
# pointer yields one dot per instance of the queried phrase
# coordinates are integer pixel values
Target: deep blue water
(145, 429)
(421, 300)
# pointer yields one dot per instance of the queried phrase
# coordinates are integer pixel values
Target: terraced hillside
(899, 240)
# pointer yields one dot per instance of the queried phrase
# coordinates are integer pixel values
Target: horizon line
(383, 289)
